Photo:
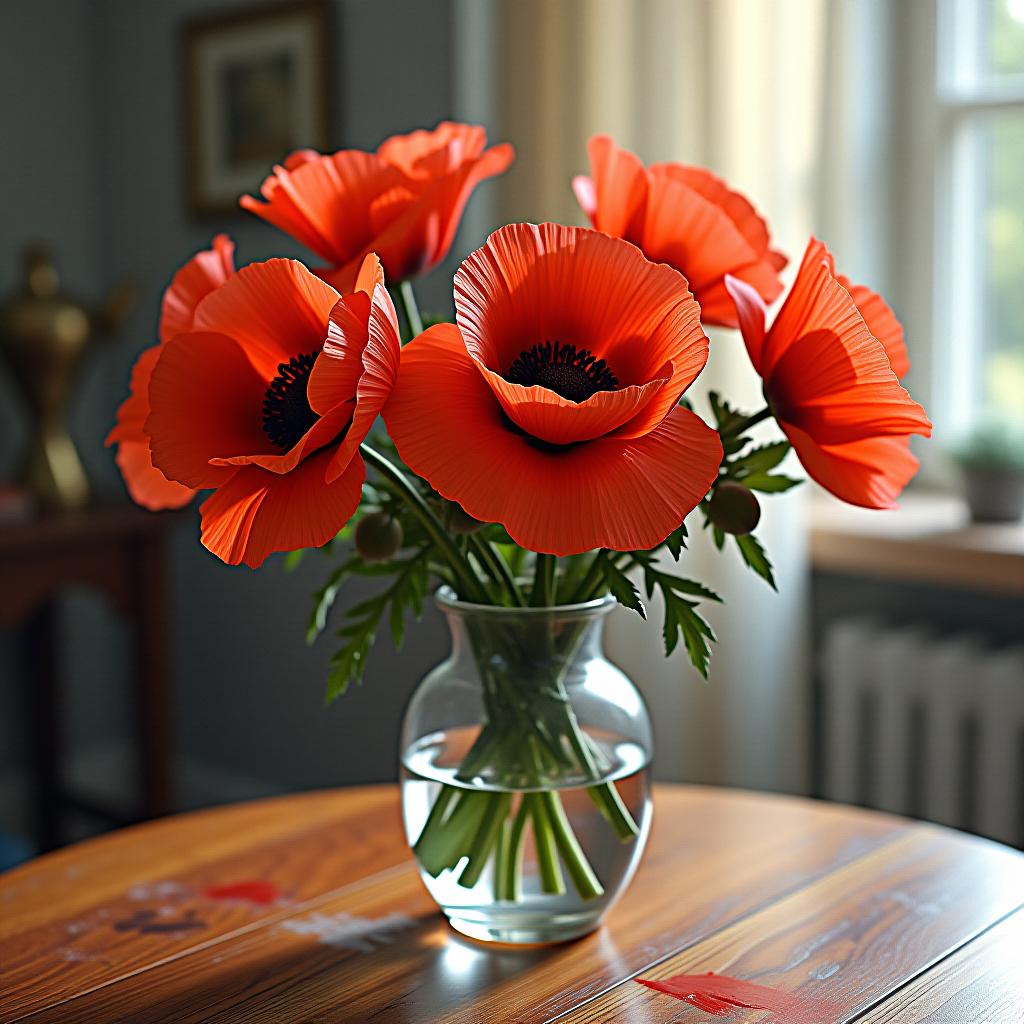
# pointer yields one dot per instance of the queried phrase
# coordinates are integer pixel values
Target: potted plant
(991, 463)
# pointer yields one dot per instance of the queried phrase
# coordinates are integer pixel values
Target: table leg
(44, 725)
(152, 678)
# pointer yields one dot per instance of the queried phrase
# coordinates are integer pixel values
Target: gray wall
(91, 116)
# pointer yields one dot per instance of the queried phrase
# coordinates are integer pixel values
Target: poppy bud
(458, 520)
(378, 537)
(734, 508)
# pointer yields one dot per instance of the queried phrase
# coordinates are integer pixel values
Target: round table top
(309, 908)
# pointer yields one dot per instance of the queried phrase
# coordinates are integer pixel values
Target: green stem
(411, 309)
(551, 880)
(501, 859)
(543, 595)
(498, 805)
(469, 585)
(512, 876)
(592, 584)
(446, 843)
(575, 860)
(497, 567)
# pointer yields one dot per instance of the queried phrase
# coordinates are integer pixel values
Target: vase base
(517, 929)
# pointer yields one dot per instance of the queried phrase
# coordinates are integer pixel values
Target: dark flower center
(286, 412)
(573, 373)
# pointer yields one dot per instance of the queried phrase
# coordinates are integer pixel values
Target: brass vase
(45, 336)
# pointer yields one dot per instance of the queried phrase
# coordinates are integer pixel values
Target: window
(979, 309)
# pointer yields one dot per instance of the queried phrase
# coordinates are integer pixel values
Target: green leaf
(682, 619)
(760, 460)
(621, 586)
(293, 559)
(323, 599)
(347, 664)
(676, 541)
(676, 584)
(755, 557)
(698, 637)
(407, 592)
(770, 484)
(727, 418)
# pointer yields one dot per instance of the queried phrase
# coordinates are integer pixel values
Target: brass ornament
(45, 335)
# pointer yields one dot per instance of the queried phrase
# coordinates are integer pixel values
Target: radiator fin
(924, 725)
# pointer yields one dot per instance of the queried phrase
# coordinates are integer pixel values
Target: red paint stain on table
(253, 890)
(721, 996)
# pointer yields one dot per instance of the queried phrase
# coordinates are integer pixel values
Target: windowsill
(929, 539)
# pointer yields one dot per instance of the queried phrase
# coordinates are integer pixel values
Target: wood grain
(764, 887)
(980, 982)
(851, 937)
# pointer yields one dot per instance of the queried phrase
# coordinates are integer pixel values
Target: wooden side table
(117, 551)
(309, 909)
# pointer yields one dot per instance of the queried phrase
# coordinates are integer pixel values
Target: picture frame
(256, 88)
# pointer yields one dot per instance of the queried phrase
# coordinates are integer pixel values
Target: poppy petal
(257, 513)
(882, 323)
(323, 431)
(192, 283)
(147, 486)
(615, 492)
(380, 362)
(531, 283)
(824, 371)
(750, 317)
(427, 152)
(336, 372)
(544, 414)
(816, 301)
(422, 233)
(204, 398)
(276, 310)
(871, 472)
(618, 189)
(686, 230)
(324, 203)
(736, 206)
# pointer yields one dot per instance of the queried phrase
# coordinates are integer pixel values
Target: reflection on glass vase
(525, 773)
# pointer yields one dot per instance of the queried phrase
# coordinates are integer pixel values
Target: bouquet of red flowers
(538, 453)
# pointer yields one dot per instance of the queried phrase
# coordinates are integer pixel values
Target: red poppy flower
(194, 281)
(881, 321)
(551, 406)
(683, 216)
(402, 202)
(267, 398)
(831, 385)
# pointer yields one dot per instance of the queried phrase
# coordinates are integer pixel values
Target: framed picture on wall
(255, 89)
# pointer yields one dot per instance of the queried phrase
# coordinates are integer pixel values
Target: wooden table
(117, 551)
(307, 908)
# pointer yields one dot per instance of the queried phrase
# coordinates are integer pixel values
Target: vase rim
(445, 599)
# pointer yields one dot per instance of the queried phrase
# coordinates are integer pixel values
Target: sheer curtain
(736, 86)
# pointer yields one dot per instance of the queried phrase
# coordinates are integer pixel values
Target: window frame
(960, 101)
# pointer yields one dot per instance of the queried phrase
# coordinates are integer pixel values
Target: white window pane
(1001, 138)
(983, 45)
(1003, 33)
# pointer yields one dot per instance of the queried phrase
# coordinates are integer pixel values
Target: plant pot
(993, 495)
(525, 761)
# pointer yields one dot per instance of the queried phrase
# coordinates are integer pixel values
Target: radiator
(924, 725)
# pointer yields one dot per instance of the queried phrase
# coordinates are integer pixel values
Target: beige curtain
(734, 85)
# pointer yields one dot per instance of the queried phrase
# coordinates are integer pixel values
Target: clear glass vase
(525, 762)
